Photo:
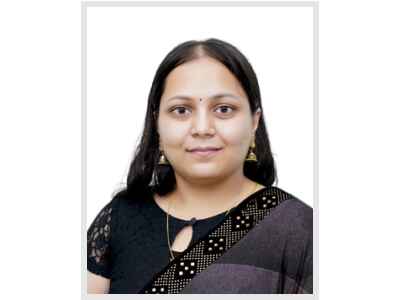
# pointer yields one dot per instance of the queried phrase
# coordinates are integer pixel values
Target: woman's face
(204, 105)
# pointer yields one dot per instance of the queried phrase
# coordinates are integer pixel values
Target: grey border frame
(314, 5)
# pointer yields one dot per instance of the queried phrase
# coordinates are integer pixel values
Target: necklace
(191, 222)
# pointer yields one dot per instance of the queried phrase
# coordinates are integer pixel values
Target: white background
(124, 52)
(40, 153)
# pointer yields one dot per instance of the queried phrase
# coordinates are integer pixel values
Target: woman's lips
(205, 153)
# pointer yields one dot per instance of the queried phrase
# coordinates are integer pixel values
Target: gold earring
(162, 160)
(251, 156)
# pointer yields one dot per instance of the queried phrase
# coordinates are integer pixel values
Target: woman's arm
(97, 284)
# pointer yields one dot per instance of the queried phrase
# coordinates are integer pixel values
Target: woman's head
(204, 94)
(204, 105)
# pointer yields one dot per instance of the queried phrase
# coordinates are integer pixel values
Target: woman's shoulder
(293, 212)
(134, 210)
(291, 199)
(126, 203)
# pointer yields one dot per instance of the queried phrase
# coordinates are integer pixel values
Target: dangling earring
(162, 160)
(251, 156)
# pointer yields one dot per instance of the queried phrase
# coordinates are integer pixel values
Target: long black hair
(145, 176)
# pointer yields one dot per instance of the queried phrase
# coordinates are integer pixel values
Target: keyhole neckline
(186, 222)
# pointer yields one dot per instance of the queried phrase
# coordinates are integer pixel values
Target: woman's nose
(203, 123)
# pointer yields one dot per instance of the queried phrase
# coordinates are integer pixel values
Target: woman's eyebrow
(213, 97)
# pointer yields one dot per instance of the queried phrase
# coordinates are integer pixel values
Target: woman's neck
(202, 201)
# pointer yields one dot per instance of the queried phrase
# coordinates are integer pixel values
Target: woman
(199, 213)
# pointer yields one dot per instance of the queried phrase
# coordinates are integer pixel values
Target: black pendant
(192, 221)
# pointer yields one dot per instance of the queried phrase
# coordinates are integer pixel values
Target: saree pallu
(264, 245)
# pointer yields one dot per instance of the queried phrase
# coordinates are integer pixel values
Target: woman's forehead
(205, 78)
(217, 96)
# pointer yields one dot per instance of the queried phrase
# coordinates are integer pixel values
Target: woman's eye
(224, 109)
(180, 110)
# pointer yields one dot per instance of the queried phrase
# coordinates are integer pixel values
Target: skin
(97, 284)
(200, 120)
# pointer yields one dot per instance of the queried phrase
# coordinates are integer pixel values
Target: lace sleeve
(98, 242)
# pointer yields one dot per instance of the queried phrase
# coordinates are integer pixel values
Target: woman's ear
(256, 119)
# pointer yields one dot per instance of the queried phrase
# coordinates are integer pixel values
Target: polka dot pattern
(226, 234)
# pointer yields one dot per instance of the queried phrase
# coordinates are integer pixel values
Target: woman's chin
(205, 176)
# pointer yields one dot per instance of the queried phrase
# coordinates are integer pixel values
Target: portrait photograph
(199, 148)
